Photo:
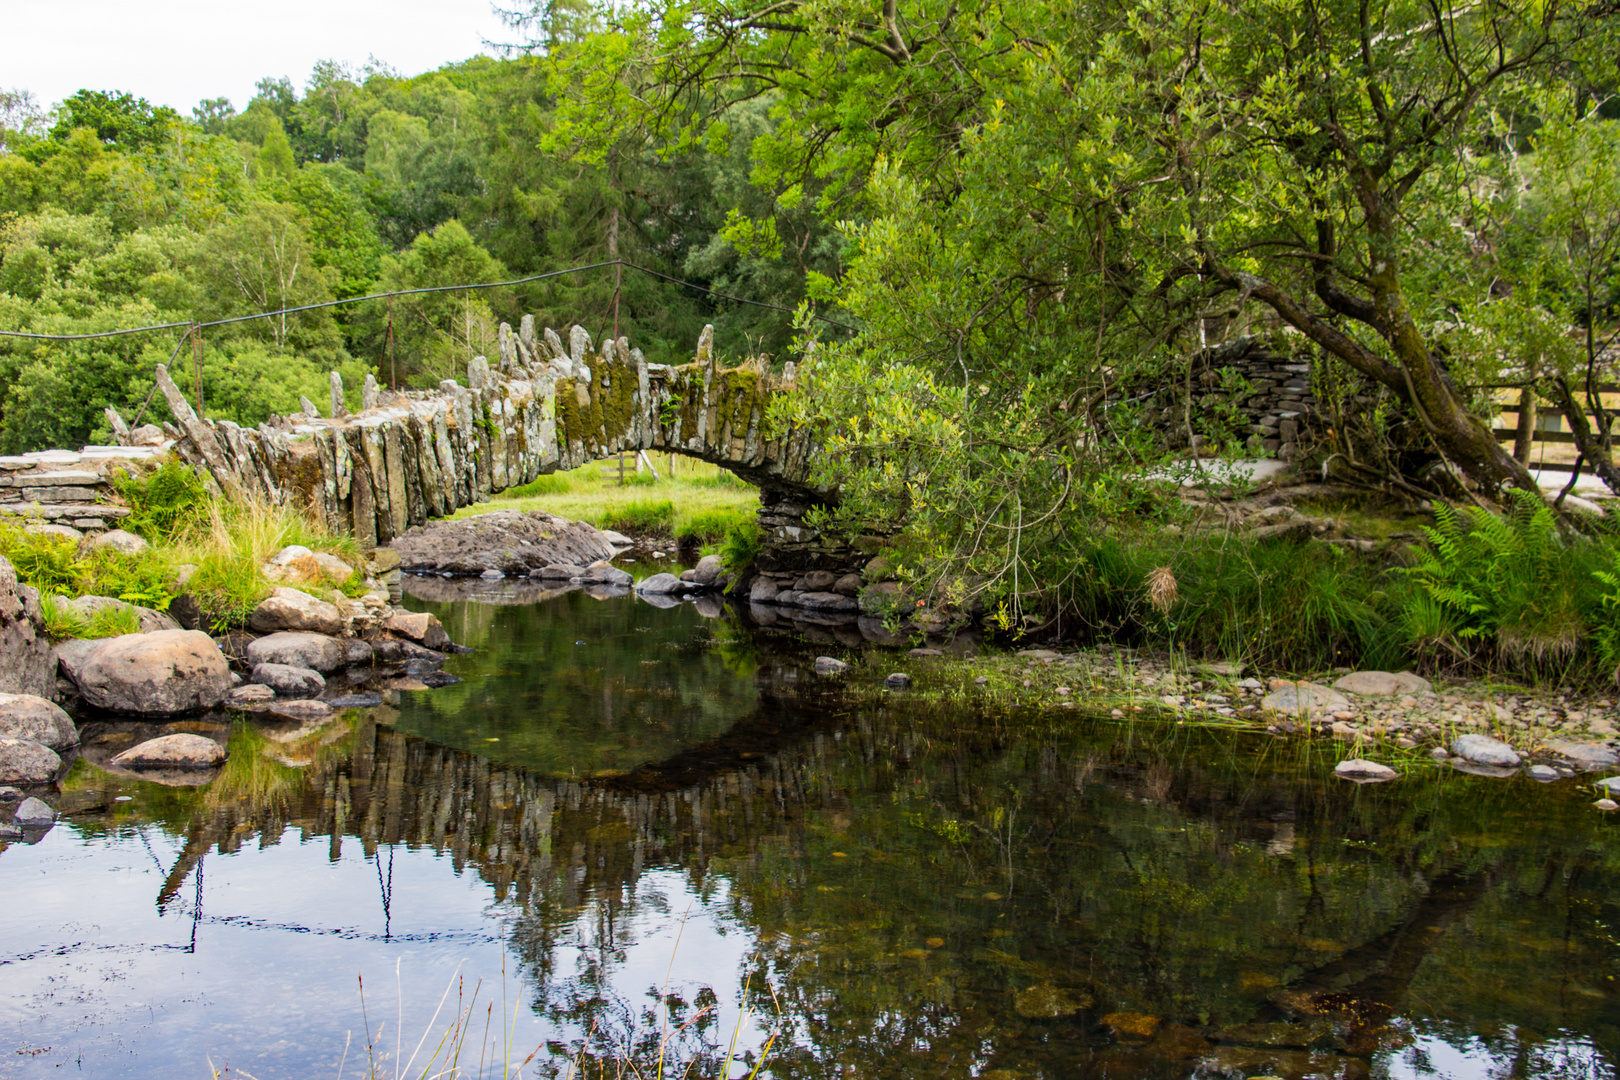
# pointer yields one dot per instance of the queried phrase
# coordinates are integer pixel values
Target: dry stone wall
(540, 407)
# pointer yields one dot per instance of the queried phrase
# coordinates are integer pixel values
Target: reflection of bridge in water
(1145, 877)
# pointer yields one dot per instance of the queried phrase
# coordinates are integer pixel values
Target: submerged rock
(179, 751)
(1047, 1002)
(160, 674)
(25, 716)
(898, 680)
(1484, 750)
(827, 665)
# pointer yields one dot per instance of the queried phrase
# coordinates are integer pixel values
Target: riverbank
(1415, 724)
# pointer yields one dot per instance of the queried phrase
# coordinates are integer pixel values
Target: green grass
(698, 506)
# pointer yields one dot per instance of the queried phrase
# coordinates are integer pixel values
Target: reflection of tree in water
(978, 897)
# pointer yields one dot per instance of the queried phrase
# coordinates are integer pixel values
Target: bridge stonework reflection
(415, 454)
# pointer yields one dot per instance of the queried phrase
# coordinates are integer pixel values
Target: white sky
(177, 52)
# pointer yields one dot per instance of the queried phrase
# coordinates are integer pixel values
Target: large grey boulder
(510, 541)
(25, 716)
(1305, 699)
(25, 651)
(180, 751)
(163, 673)
(24, 761)
(1484, 750)
(559, 572)
(70, 655)
(314, 651)
(33, 812)
(288, 681)
(292, 609)
(1382, 683)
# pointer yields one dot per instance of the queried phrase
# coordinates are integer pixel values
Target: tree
(119, 119)
(259, 261)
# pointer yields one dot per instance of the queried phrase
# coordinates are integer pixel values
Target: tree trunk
(1592, 447)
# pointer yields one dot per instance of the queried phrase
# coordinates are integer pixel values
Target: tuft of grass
(711, 526)
(113, 622)
(61, 621)
(550, 484)
(644, 516)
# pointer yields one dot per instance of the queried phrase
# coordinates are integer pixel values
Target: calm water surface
(632, 828)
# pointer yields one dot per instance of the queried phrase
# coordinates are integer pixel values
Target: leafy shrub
(1504, 588)
(135, 579)
(550, 484)
(642, 516)
(1606, 635)
(164, 501)
(708, 526)
(740, 545)
(48, 563)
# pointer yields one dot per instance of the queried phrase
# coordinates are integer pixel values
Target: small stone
(925, 652)
(827, 665)
(898, 680)
(1304, 699)
(1586, 755)
(1361, 769)
(1607, 804)
(33, 812)
(183, 750)
(492, 575)
(981, 680)
(1484, 750)
(288, 681)
(251, 694)
(1543, 773)
(355, 701)
(1610, 784)
(1440, 753)
(1063, 691)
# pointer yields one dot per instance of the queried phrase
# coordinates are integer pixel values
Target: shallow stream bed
(633, 831)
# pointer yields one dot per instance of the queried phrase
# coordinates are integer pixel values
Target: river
(636, 838)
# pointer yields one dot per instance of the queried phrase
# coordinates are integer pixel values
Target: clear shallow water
(671, 819)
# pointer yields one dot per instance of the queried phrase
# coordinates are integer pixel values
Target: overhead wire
(194, 326)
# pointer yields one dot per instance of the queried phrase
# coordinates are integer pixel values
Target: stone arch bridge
(408, 456)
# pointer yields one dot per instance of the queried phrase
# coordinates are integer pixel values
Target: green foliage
(1606, 634)
(163, 501)
(643, 516)
(1506, 588)
(48, 563)
(117, 119)
(740, 545)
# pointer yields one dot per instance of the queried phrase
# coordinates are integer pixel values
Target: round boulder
(1484, 750)
(661, 583)
(24, 716)
(24, 761)
(250, 695)
(118, 540)
(33, 812)
(290, 609)
(158, 674)
(1382, 683)
(314, 651)
(180, 751)
(288, 681)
